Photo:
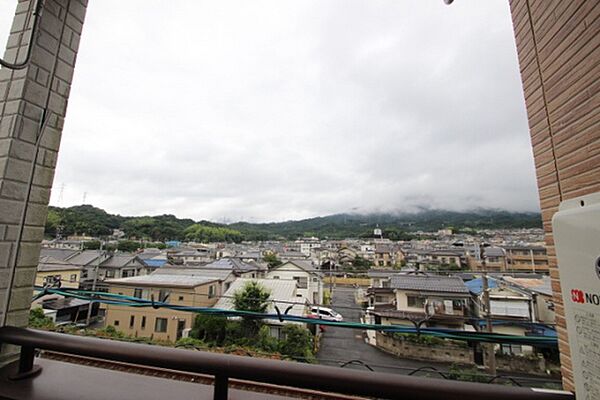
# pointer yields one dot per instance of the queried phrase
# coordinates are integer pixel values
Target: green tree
(272, 260)
(128, 245)
(360, 263)
(252, 297)
(204, 233)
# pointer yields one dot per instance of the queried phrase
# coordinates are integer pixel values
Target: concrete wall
(414, 351)
(29, 98)
(558, 48)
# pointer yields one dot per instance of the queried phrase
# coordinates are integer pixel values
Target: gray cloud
(272, 110)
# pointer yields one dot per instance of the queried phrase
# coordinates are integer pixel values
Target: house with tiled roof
(439, 301)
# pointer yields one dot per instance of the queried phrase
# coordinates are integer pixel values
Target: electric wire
(134, 302)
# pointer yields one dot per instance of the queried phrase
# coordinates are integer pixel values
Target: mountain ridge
(90, 220)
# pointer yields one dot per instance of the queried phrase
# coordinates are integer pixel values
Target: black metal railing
(284, 373)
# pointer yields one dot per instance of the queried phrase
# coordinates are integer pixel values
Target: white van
(325, 313)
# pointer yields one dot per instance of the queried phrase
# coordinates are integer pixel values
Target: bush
(297, 343)
(190, 342)
(37, 319)
(459, 373)
(209, 328)
(267, 342)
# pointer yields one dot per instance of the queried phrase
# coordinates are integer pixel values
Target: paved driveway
(341, 345)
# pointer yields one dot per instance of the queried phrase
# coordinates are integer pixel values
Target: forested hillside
(93, 221)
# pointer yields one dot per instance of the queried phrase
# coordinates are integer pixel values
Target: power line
(128, 301)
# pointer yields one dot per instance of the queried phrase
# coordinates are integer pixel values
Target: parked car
(325, 313)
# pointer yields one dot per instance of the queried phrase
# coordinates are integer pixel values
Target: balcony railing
(291, 374)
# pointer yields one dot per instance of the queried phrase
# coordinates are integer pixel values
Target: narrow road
(339, 345)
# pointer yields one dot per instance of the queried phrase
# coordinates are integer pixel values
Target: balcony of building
(73, 367)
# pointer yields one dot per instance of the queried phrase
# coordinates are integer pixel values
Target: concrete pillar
(33, 105)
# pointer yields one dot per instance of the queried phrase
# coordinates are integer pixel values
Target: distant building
(527, 258)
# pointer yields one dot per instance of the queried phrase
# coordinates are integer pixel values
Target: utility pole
(490, 353)
(90, 306)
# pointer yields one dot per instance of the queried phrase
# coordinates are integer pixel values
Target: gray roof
(302, 264)
(48, 263)
(429, 283)
(118, 260)
(279, 289)
(84, 258)
(494, 252)
(58, 254)
(231, 264)
(220, 274)
(162, 280)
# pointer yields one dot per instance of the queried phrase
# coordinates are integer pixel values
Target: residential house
(89, 261)
(190, 256)
(540, 290)
(240, 268)
(511, 310)
(495, 259)
(440, 301)
(383, 256)
(281, 294)
(160, 323)
(225, 276)
(346, 255)
(121, 265)
(57, 273)
(309, 279)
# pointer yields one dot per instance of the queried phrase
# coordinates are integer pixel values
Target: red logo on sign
(577, 296)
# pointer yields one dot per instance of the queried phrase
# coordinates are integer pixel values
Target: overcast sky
(274, 110)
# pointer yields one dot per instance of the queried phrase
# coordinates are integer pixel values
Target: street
(340, 345)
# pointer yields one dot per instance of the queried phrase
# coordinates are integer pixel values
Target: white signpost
(576, 229)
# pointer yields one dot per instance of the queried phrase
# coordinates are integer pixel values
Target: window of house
(416, 301)
(138, 292)
(73, 278)
(131, 321)
(180, 298)
(144, 322)
(275, 277)
(128, 272)
(511, 349)
(116, 323)
(160, 325)
(211, 291)
(110, 273)
(302, 281)
(378, 299)
(163, 295)
(315, 279)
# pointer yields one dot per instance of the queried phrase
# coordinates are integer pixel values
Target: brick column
(33, 104)
(558, 43)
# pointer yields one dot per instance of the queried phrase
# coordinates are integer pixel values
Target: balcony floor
(61, 380)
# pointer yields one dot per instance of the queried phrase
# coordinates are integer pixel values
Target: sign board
(576, 229)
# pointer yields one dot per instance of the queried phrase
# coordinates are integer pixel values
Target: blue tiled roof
(475, 286)
(155, 263)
